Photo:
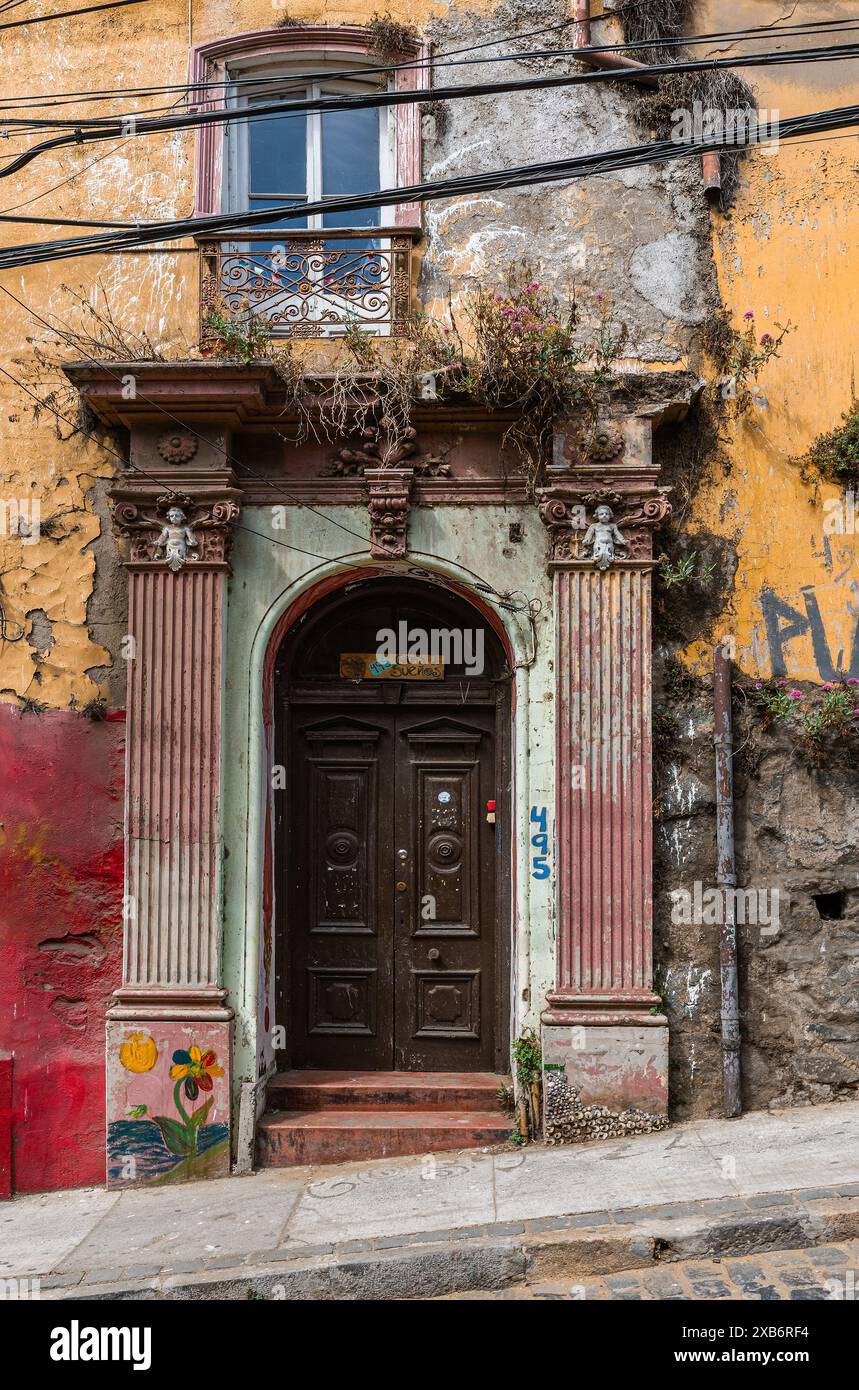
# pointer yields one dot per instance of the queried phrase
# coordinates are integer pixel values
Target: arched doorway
(393, 869)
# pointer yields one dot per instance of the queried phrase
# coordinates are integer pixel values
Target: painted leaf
(198, 1117)
(178, 1139)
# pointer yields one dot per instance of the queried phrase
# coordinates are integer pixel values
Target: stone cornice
(235, 395)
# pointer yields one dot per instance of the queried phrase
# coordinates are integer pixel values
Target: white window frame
(236, 161)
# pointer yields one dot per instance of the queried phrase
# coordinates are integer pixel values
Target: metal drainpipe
(726, 878)
(711, 164)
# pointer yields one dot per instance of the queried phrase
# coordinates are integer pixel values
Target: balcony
(311, 284)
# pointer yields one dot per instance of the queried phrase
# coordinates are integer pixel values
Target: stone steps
(331, 1117)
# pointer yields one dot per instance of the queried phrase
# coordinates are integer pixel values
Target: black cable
(520, 176)
(289, 79)
(194, 120)
(174, 419)
(67, 14)
(135, 468)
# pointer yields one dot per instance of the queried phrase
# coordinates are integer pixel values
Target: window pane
(350, 151)
(293, 223)
(278, 154)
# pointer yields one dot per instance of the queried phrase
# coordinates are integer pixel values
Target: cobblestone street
(788, 1275)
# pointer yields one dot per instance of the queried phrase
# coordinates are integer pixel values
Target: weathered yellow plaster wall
(789, 251)
(785, 252)
(155, 290)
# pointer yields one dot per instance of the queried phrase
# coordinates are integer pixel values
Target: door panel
(339, 893)
(444, 927)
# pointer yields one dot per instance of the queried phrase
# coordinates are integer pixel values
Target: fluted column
(173, 871)
(604, 809)
(604, 1036)
(171, 1011)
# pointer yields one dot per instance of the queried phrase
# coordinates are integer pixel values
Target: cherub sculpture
(602, 538)
(176, 540)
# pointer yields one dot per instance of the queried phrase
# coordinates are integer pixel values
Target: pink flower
(758, 685)
(535, 285)
(749, 314)
(851, 680)
(767, 338)
(826, 687)
(796, 694)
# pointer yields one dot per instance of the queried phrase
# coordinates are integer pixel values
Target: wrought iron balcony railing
(311, 284)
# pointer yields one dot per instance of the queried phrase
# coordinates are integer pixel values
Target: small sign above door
(356, 666)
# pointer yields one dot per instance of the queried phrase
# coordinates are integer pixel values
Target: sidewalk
(452, 1221)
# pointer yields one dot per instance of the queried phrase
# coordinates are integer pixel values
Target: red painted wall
(61, 848)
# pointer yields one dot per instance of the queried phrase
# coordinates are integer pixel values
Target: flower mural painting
(196, 1069)
(166, 1095)
(192, 1072)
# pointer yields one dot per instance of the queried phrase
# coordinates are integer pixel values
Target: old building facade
(241, 838)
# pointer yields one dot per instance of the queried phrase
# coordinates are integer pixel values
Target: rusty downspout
(726, 879)
(711, 166)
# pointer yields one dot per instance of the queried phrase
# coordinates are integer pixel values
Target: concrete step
(335, 1135)
(377, 1090)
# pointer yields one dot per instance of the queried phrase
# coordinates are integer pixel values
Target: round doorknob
(433, 953)
(401, 887)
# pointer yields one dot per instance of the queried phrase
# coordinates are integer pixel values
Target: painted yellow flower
(197, 1068)
(138, 1053)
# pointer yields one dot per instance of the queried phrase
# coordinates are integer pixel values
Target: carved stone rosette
(388, 506)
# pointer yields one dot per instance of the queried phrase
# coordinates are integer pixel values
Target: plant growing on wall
(741, 355)
(818, 721)
(521, 349)
(233, 331)
(688, 569)
(834, 457)
(389, 37)
(517, 349)
(527, 1062)
(658, 24)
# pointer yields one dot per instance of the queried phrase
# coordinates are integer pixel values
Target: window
(311, 156)
(310, 275)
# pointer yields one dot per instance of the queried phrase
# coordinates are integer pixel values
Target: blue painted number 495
(540, 841)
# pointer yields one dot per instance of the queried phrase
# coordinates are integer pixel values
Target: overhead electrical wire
(448, 59)
(112, 127)
(69, 14)
(174, 419)
(524, 175)
(129, 466)
(135, 468)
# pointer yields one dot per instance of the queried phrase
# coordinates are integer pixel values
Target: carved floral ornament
(385, 444)
(388, 507)
(177, 446)
(603, 443)
(179, 531)
(602, 526)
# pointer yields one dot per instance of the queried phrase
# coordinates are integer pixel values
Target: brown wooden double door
(391, 889)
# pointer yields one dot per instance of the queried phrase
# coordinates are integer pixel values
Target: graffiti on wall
(785, 624)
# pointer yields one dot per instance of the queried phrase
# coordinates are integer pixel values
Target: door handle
(433, 953)
(401, 887)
